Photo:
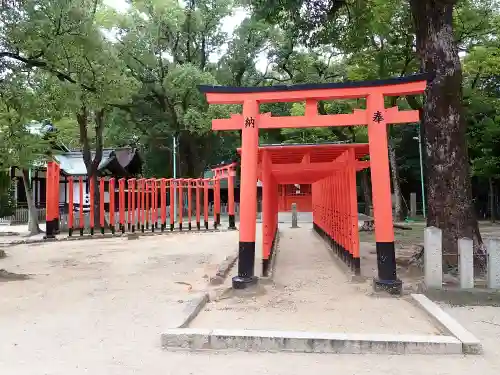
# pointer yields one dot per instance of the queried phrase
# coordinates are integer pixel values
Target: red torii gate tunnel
(314, 164)
(375, 116)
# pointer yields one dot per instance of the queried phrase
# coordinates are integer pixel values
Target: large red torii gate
(375, 116)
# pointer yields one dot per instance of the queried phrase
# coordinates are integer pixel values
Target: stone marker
(294, 215)
(433, 257)
(413, 204)
(466, 263)
(493, 248)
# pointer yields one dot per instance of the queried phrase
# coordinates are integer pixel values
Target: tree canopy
(109, 77)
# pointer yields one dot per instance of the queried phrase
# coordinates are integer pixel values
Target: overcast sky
(229, 24)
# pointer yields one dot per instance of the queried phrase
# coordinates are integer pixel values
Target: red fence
(133, 204)
(335, 213)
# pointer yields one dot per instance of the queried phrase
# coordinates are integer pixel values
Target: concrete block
(223, 269)
(493, 248)
(193, 308)
(294, 215)
(190, 310)
(185, 338)
(466, 262)
(309, 342)
(413, 204)
(433, 257)
(470, 344)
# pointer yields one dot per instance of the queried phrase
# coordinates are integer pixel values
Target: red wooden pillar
(248, 189)
(333, 184)
(152, 203)
(267, 234)
(80, 216)
(133, 205)
(143, 204)
(112, 205)
(217, 197)
(327, 208)
(206, 181)
(130, 210)
(198, 186)
(313, 202)
(49, 214)
(121, 199)
(339, 213)
(163, 192)
(101, 204)
(214, 188)
(231, 173)
(92, 204)
(55, 199)
(190, 207)
(381, 192)
(353, 211)
(322, 197)
(329, 188)
(344, 217)
(155, 205)
(139, 204)
(172, 203)
(275, 209)
(340, 202)
(152, 188)
(147, 198)
(71, 207)
(180, 181)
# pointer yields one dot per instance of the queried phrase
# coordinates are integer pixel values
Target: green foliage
(483, 116)
(61, 60)
(7, 203)
(482, 104)
(19, 146)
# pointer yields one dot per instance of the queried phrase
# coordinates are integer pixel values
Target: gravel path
(310, 293)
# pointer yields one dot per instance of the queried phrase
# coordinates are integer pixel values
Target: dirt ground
(416, 235)
(404, 244)
(88, 300)
(99, 306)
(310, 293)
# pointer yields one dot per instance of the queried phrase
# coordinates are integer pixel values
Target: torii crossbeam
(375, 116)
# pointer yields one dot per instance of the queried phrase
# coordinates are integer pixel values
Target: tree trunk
(33, 224)
(449, 189)
(396, 187)
(492, 200)
(365, 186)
(92, 164)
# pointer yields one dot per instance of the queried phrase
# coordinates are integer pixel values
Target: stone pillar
(294, 215)
(493, 248)
(413, 204)
(466, 263)
(433, 257)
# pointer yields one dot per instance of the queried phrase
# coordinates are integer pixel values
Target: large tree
(448, 173)
(167, 48)
(447, 166)
(20, 146)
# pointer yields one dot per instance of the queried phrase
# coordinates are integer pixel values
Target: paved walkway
(310, 293)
